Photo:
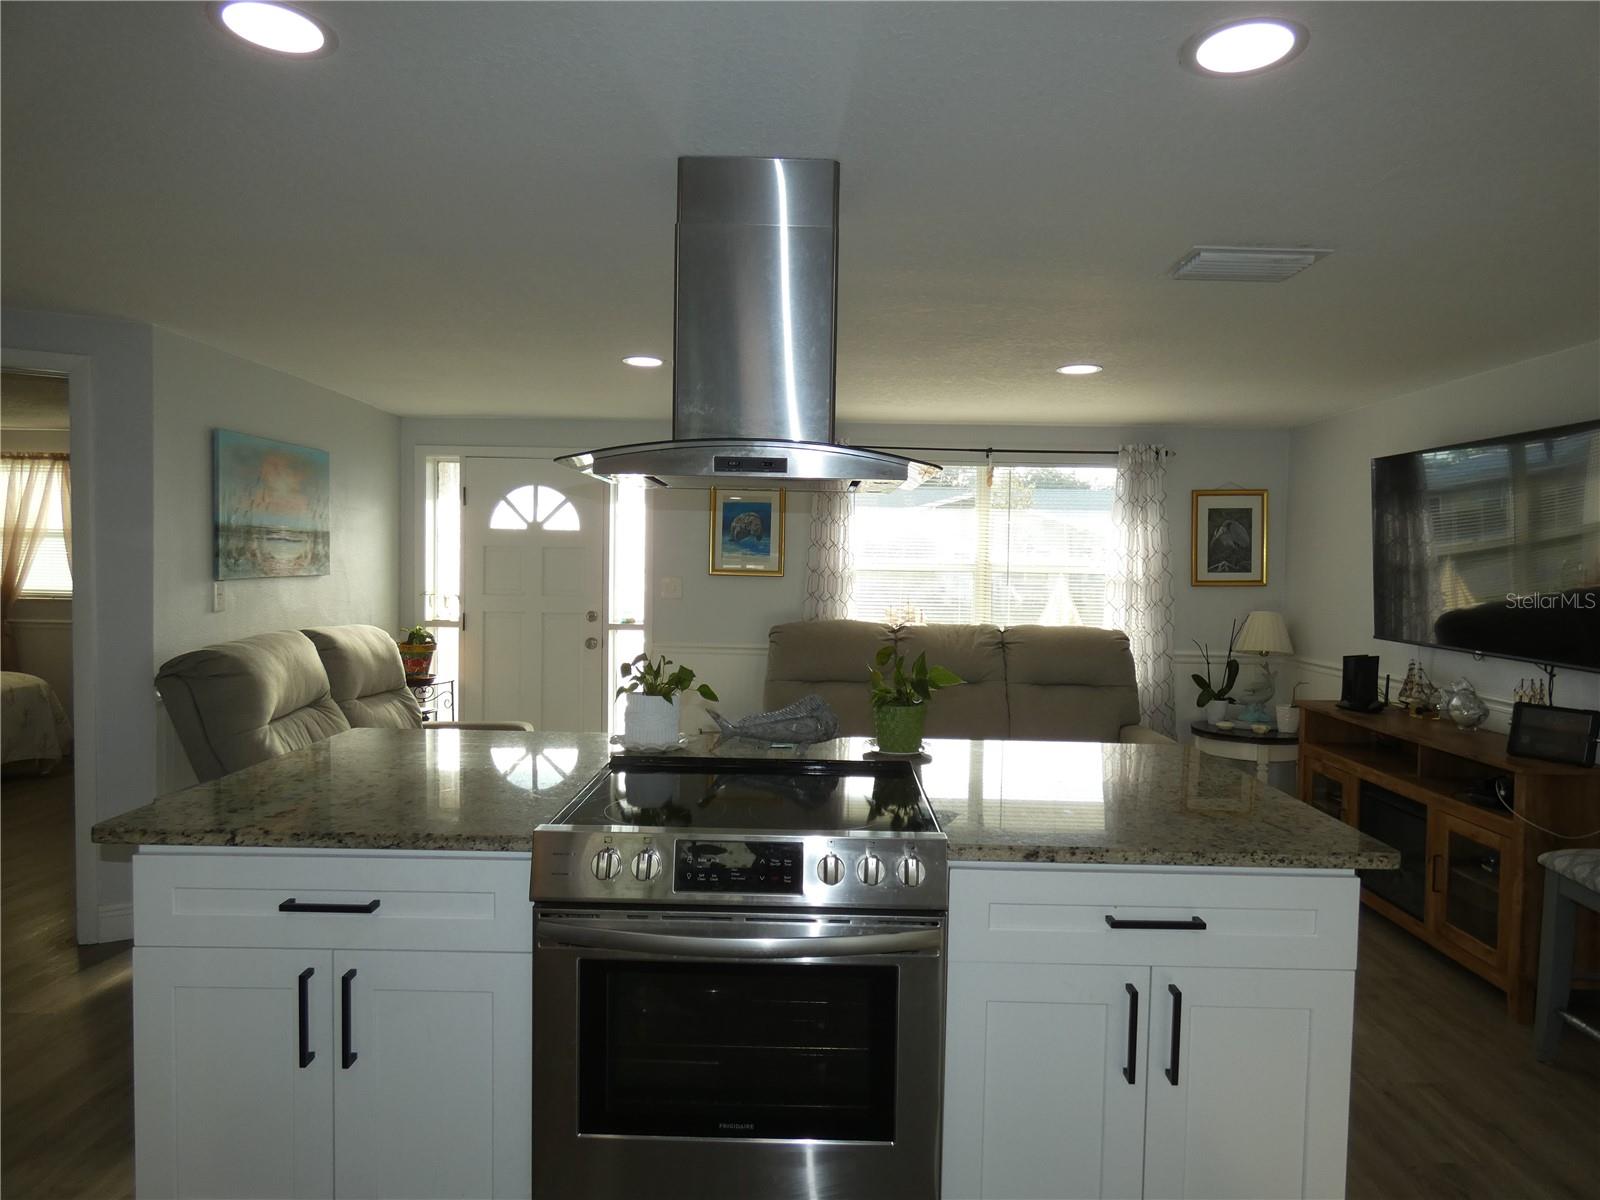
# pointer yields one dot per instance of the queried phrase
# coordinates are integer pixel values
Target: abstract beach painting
(272, 501)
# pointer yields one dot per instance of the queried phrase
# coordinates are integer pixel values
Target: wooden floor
(1446, 1100)
(66, 1015)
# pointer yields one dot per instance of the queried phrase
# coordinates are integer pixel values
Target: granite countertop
(380, 789)
(1068, 802)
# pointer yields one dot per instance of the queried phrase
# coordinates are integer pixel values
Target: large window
(1007, 545)
(50, 573)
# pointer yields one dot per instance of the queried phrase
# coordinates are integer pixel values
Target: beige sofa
(238, 703)
(1043, 682)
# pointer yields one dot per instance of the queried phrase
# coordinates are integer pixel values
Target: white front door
(533, 550)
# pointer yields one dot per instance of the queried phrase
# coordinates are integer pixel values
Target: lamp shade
(1264, 633)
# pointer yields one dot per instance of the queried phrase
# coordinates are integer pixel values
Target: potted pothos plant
(417, 645)
(654, 696)
(900, 698)
(1212, 696)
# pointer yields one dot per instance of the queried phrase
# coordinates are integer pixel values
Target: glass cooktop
(754, 796)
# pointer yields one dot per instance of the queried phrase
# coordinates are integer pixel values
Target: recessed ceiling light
(275, 27)
(1079, 369)
(642, 360)
(1244, 47)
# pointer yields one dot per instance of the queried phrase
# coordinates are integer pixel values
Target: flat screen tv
(1492, 546)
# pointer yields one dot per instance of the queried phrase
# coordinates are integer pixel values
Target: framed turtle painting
(1228, 538)
(746, 532)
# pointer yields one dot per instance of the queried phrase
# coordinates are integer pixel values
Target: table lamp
(1264, 633)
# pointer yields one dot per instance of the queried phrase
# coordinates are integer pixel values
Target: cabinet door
(1249, 1082)
(1471, 906)
(1327, 788)
(1037, 1104)
(433, 1074)
(234, 1094)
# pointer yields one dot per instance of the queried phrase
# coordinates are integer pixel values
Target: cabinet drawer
(1057, 914)
(424, 901)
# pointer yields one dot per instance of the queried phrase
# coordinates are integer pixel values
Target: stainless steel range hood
(753, 339)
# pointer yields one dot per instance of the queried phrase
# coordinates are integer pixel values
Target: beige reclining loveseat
(1041, 682)
(238, 703)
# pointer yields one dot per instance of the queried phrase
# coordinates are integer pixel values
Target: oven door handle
(846, 945)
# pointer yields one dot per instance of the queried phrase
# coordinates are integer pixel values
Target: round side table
(1242, 743)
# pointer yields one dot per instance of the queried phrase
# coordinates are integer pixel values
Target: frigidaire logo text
(742, 1126)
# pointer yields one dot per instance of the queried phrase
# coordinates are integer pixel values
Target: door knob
(591, 616)
(592, 643)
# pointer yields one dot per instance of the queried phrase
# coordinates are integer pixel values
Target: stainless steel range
(738, 982)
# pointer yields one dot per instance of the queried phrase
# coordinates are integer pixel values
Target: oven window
(768, 1050)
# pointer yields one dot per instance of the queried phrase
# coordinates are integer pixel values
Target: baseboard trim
(116, 922)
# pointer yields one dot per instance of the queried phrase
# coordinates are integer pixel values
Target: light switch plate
(671, 587)
(219, 599)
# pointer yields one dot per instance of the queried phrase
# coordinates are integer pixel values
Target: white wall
(1331, 527)
(109, 366)
(719, 624)
(199, 389)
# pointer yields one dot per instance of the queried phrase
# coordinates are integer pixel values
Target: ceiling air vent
(1244, 264)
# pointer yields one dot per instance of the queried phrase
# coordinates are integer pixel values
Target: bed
(35, 731)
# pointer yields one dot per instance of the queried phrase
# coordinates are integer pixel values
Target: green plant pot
(899, 727)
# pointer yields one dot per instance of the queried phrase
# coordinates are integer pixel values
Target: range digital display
(769, 868)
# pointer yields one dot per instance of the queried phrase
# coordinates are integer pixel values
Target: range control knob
(911, 871)
(646, 865)
(870, 870)
(830, 869)
(606, 864)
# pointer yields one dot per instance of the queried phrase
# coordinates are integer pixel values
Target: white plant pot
(1216, 711)
(650, 720)
(1288, 718)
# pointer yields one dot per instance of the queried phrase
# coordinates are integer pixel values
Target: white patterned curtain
(828, 557)
(1139, 588)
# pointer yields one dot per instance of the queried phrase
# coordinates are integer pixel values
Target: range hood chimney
(753, 339)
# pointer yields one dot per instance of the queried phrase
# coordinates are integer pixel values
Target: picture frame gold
(747, 532)
(1228, 537)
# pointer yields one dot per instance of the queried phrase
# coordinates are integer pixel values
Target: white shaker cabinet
(235, 1092)
(1240, 1045)
(1046, 1067)
(435, 1095)
(1252, 1096)
(302, 1028)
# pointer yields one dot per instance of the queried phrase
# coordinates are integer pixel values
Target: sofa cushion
(828, 659)
(366, 677)
(239, 703)
(978, 707)
(1069, 683)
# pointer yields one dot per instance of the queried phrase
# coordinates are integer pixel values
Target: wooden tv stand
(1470, 884)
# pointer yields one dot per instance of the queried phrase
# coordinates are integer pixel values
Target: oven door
(679, 1053)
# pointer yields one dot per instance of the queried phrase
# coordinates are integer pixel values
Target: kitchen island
(1151, 958)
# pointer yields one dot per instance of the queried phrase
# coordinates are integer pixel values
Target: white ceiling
(467, 209)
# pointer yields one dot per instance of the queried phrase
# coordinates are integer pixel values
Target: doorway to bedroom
(36, 690)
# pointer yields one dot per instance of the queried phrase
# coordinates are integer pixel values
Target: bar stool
(1571, 878)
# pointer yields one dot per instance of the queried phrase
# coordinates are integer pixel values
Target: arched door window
(528, 505)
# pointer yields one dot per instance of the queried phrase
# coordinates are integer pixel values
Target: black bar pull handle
(1128, 1071)
(1177, 1032)
(307, 1054)
(348, 1056)
(291, 905)
(1119, 923)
